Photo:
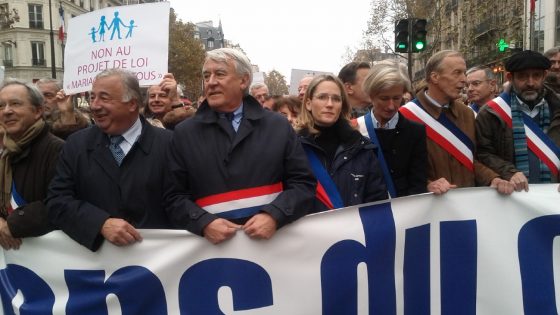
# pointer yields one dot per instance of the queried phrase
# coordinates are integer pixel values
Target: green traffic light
(419, 45)
(401, 45)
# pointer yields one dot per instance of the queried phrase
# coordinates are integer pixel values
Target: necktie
(229, 117)
(115, 148)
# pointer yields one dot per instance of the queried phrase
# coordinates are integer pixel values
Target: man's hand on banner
(6, 239)
(520, 181)
(120, 232)
(440, 186)
(504, 187)
(220, 230)
(260, 226)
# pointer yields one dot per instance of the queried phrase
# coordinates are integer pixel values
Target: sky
(286, 34)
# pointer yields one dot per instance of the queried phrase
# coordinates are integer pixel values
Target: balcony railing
(38, 62)
(8, 63)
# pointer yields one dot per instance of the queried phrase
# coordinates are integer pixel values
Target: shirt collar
(391, 124)
(525, 108)
(433, 101)
(237, 114)
(133, 133)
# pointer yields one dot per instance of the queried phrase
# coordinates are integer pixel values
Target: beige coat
(443, 164)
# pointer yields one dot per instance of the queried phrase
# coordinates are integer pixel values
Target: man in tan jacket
(450, 126)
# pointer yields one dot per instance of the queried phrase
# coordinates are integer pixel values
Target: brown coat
(440, 162)
(32, 171)
(495, 138)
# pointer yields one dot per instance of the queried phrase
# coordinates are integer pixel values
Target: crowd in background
(240, 159)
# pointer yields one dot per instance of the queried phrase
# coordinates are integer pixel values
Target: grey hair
(35, 96)
(487, 72)
(240, 61)
(58, 83)
(257, 85)
(435, 61)
(551, 52)
(129, 81)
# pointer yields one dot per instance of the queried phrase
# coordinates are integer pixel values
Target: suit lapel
(245, 129)
(101, 154)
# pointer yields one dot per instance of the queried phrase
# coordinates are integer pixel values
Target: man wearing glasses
(518, 133)
(30, 153)
(481, 87)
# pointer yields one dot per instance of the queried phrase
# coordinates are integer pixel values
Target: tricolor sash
(326, 192)
(537, 141)
(443, 132)
(16, 200)
(240, 203)
(384, 167)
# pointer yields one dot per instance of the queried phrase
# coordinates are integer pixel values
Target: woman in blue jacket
(343, 160)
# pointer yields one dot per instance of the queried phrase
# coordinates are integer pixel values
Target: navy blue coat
(206, 159)
(354, 170)
(89, 187)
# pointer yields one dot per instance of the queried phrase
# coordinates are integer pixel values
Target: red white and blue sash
(326, 192)
(16, 200)
(443, 132)
(240, 203)
(537, 141)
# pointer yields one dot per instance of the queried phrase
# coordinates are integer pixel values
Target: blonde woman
(343, 160)
(403, 156)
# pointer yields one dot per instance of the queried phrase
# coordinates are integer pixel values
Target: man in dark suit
(235, 165)
(109, 178)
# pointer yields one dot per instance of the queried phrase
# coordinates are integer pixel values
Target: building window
(210, 44)
(538, 34)
(35, 16)
(38, 54)
(557, 23)
(8, 57)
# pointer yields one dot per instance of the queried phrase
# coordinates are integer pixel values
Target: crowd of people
(241, 160)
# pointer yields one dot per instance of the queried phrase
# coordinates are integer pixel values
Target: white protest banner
(470, 251)
(132, 37)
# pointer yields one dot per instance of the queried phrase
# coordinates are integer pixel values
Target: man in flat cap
(518, 132)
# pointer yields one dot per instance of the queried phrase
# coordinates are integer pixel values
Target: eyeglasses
(324, 97)
(476, 83)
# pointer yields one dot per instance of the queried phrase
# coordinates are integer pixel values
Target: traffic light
(401, 36)
(419, 35)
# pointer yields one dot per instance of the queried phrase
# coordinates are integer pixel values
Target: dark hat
(527, 59)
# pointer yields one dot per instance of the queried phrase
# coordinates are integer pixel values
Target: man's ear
(133, 105)
(349, 89)
(434, 77)
(39, 111)
(245, 81)
(509, 76)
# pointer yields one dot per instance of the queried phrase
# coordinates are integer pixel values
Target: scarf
(520, 139)
(13, 148)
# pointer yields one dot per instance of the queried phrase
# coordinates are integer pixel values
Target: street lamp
(53, 66)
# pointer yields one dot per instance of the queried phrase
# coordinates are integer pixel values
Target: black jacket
(354, 170)
(89, 187)
(404, 149)
(205, 159)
